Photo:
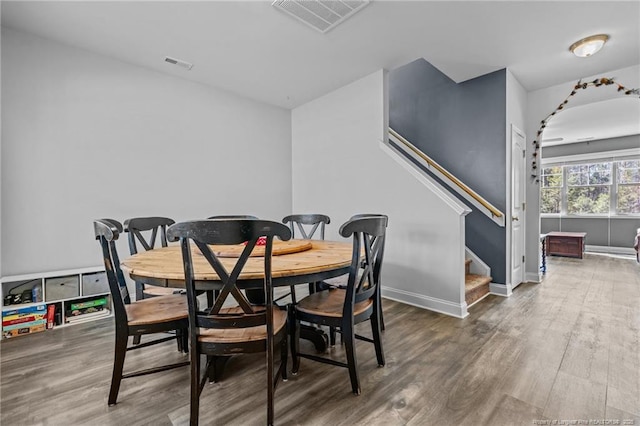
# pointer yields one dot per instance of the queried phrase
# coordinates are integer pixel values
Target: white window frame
(561, 187)
(617, 185)
(564, 162)
(566, 186)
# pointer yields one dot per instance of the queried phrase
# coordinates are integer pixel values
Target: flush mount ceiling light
(323, 15)
(588, 45)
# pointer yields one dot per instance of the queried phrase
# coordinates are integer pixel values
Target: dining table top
(316, 260)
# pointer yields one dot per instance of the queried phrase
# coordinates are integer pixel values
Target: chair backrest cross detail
(136, 226)
(307, 224)
(368, 234)
(222, 231)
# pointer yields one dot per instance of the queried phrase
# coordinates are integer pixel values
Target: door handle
(514, 218)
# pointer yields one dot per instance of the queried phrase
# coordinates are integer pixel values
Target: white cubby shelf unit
(78, 295)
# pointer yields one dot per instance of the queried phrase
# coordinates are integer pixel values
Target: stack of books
(26, 320)
(88, 309)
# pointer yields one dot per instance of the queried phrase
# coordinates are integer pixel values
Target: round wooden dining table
(311, 262)
(318, 261)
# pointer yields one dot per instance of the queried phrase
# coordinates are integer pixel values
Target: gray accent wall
(462, 127)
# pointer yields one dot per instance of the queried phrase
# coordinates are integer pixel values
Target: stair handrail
(453, 182)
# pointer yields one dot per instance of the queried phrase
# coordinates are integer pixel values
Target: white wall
(541, 103)
(0, 157)
(516, 116)
(340, 170)
(86, 136)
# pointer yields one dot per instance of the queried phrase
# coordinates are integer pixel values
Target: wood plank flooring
(565, 349)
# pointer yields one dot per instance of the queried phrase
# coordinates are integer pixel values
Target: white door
(518, 168)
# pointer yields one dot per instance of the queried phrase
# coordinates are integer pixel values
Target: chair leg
(332, 336)
(294, 336)
(139, 291)
(210, 298)
(118, 365)
(293, 294)
(139, 296)
(381, 317)
(270, 380)
(284, 352)
(350, 349)
(195, 387)
(377, 339)
(179, 340)
(185, 340)
(211, 371)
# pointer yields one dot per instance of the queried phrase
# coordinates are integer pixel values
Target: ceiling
(598, 120)
(252, 49)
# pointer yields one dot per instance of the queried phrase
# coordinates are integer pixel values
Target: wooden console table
(570, 244)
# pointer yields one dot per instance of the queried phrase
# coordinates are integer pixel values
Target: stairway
(476, 287)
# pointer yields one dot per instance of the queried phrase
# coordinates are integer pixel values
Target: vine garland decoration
(604, 81)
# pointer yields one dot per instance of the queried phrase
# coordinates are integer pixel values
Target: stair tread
(473, 281)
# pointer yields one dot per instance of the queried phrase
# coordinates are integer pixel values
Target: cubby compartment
(87, 308)
(22, 292)
(58, 288)
(94, 283)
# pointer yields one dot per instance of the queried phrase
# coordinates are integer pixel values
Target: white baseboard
(503, 290)
(533, 277)
(421, 301)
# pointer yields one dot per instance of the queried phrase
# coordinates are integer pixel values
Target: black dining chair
(220, 331)
(148, 316)
(373, 243)
(307, 225)
(343, 308)
(146, 231)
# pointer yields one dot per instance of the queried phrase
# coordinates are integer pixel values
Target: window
(588, 188)
(628, 200)
(551, 192)
(597, 188)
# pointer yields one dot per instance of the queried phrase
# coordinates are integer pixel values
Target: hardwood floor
(565, 349)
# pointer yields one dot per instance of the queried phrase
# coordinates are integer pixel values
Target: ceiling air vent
(323, 15)
(178, 62)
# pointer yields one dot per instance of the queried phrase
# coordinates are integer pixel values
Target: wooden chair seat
(237, 335)
(157, 310)
(329, 303)
(155, 291)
